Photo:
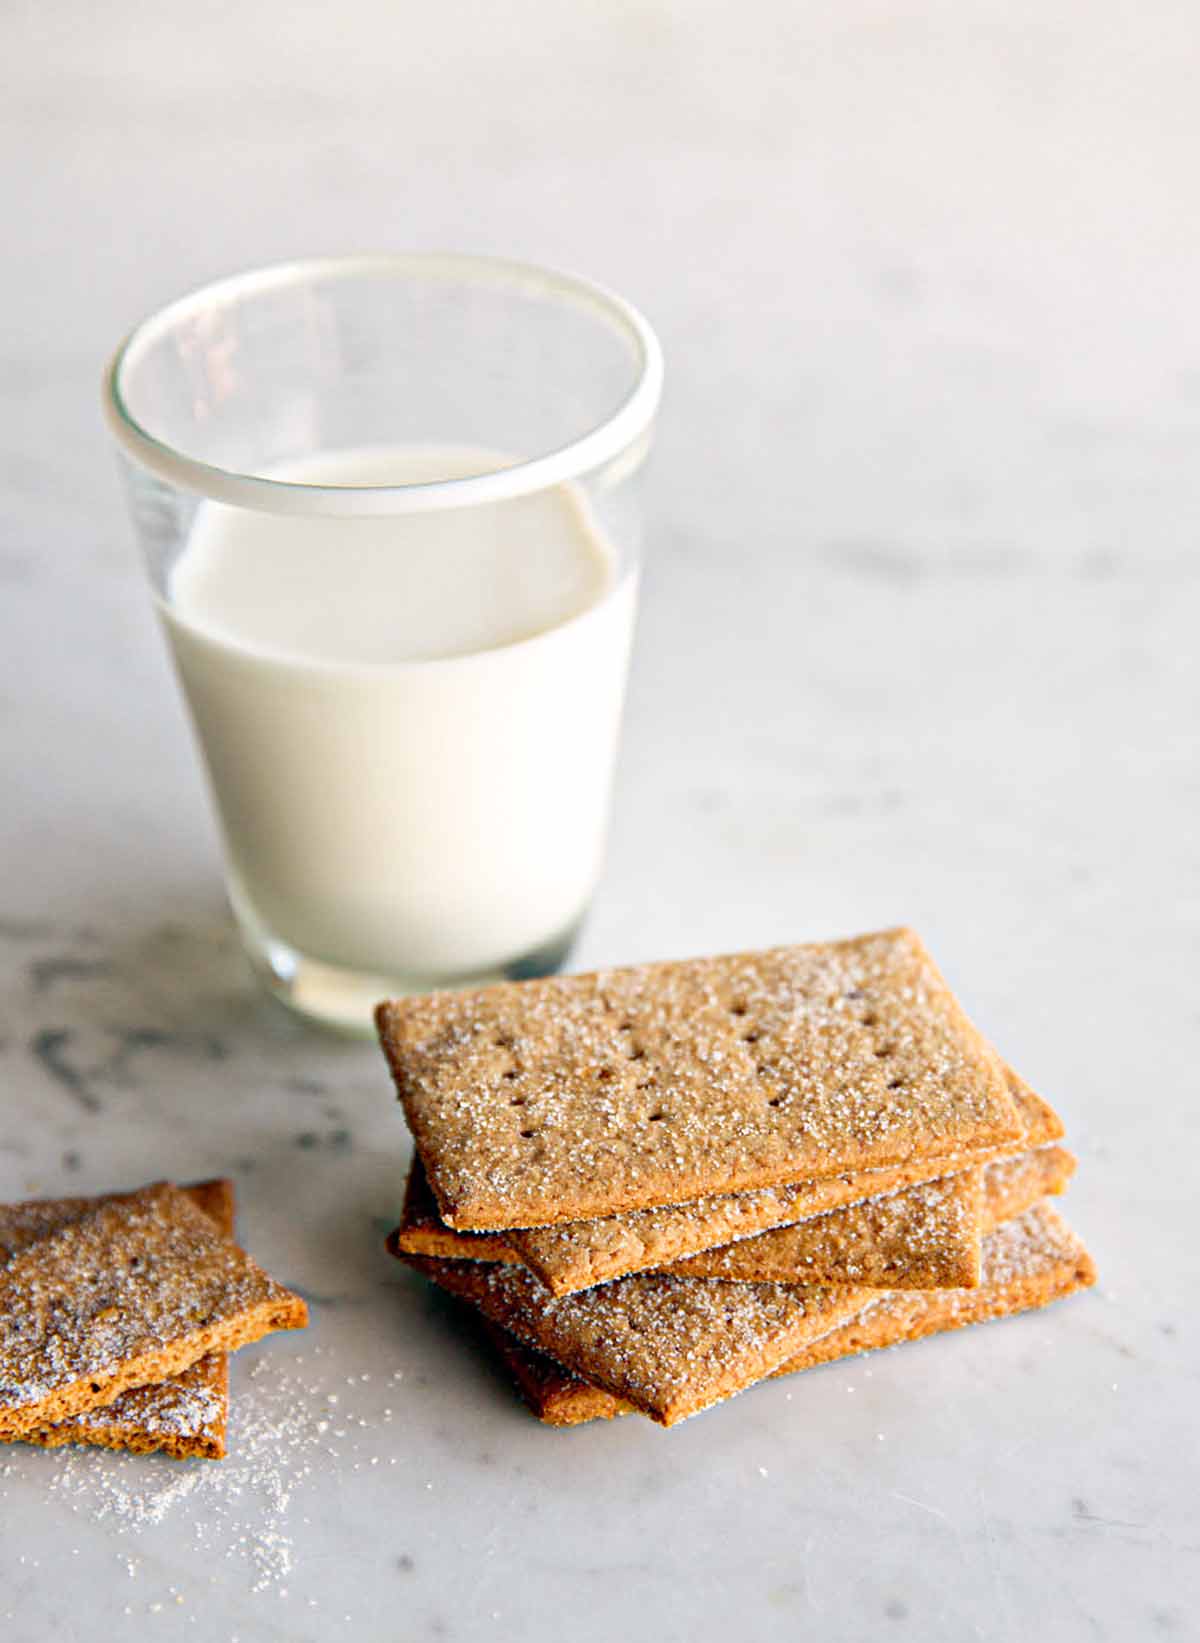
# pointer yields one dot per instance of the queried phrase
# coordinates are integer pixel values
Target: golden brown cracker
(672, 1346)
(136, 1290)
(539, 1102)
(579, 1254)
(186, 1415)
(1028, 1262)
(1013, 1185)
(925, 1237)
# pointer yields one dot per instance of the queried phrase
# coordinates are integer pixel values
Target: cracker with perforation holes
(185, 1415)
(582, 1253)
(140, 1288)
(538, 1102)
(1028, 1262)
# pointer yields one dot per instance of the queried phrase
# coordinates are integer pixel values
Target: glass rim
(608, 439)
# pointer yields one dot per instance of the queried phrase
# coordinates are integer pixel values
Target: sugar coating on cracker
(140, 1288)
(579, 1254)
(546, 1101)
(1013, 1185)
(672, 1346)
(923, 1237)
(185, 1415)
(1029, 1262)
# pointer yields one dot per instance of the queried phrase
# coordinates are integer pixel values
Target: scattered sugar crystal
(238, 1508)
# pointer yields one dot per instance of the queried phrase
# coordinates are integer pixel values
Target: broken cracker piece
(138, 1289)
(186, 1415)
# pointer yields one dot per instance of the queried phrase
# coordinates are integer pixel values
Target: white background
(918, 643)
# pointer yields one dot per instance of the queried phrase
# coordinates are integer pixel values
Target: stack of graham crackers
(661, 1184)
(117, 1315)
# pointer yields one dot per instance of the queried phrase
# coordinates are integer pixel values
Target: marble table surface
(918, 643)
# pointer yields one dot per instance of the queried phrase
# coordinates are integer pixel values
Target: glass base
(345, 1000)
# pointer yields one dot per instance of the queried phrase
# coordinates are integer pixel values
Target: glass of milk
(389, 508)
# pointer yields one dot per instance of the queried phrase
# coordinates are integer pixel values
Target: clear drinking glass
(389, 508)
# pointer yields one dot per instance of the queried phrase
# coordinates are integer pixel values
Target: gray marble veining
(918, 642)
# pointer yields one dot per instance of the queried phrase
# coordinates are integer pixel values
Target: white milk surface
(409, 723)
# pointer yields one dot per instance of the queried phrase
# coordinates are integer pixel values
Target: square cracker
(545, 1101)
(579, 1254)
(671, 1346)
(183, 1416)
(1028, 1262)
(140, 1288)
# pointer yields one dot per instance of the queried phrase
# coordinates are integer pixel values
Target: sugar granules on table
(287, 1413)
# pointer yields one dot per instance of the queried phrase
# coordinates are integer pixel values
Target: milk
(409, 723)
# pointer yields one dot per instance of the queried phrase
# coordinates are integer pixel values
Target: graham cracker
(184, 1416)
(671, 1346)
(423, 1232)
(1027, 1263)
(139, 1288)
(579, 1254)
(1013, 1185)
(924, 1237)
(538, 1102)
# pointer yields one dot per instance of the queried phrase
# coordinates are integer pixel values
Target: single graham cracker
(671, 1346)
(1013, 1185)
(925, 1237)
(423, 1232)
(186, 1415)
(869, 1238)
(579, 1254)
(538, 1102)
(138, 1289)
(1028, 1262)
